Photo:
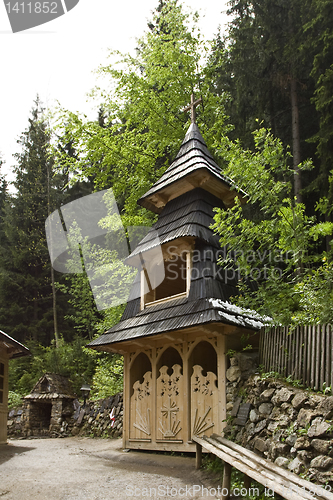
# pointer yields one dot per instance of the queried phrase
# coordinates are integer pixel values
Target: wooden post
(331, 346)
(127, 401)
(247, 484)
(221, 383)
(226, 481)
(198, 455)
(154, 394)
(187, 389)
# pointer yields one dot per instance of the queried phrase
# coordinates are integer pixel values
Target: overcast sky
(56, 60)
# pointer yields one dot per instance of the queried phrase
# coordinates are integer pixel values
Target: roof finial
(192, 107)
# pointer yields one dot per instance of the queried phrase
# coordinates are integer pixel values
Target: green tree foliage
(25, 273)
(276, 64)
(139, 129)
(143, 123)
(260, 73)
(108, 376)
(70, 359)
(104, 266)
(83, 314)
(3, 200)
(273, 240)
(319, 40)
(266, 65)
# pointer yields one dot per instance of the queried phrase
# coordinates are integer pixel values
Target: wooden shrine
(174, 334)
(9, 349)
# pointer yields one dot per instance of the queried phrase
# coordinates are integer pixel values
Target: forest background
(266, 116)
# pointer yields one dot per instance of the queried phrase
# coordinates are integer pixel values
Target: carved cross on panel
(169, 410)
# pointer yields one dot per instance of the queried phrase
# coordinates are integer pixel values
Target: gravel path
(96, 469)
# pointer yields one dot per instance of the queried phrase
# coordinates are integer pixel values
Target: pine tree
(319, 40)
(3, 200)
(25, 274)
(266, 72)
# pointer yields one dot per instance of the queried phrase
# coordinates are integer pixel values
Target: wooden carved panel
(141, 405)
(169, 404)
(204, 402)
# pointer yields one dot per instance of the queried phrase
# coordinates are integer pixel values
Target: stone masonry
(90, 420)
(289, 426)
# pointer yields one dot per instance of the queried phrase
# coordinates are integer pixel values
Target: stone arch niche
(141, 399)
(170, 397)
(203, 389)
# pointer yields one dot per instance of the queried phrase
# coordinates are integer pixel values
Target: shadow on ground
(8, 451)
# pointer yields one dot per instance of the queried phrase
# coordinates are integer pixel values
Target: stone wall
(289, 426)
(93, 419)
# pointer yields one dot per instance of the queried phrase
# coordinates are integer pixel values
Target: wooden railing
(274, 478)
(302, 353)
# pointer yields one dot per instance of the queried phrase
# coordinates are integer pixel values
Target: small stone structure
(91, 420)
(289, 426)
(48, 404)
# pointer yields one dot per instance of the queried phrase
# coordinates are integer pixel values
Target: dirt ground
(96, 469)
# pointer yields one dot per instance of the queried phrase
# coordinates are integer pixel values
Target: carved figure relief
(170, 397)
(141, 403)
(204, 401)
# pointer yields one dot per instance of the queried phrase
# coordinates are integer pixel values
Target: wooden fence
(303, 353)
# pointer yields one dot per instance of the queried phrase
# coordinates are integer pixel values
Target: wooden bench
(274, 478)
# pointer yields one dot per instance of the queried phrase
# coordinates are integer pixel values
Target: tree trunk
(328, 238)
(35, 316)
(296, 144)
(54, 297)
(271, 109)
(54, 300)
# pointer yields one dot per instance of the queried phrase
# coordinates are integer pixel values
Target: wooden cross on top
(192, 107)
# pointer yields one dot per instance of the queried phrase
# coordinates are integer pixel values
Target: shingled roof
(14, 348)
(179, 314)
(190, 214)
(51, 386)
(193, 167)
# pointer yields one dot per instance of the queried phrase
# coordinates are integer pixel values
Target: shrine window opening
(205, 356)
(169, 358)
(176, 282)
(45, 386)
(141, 365)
